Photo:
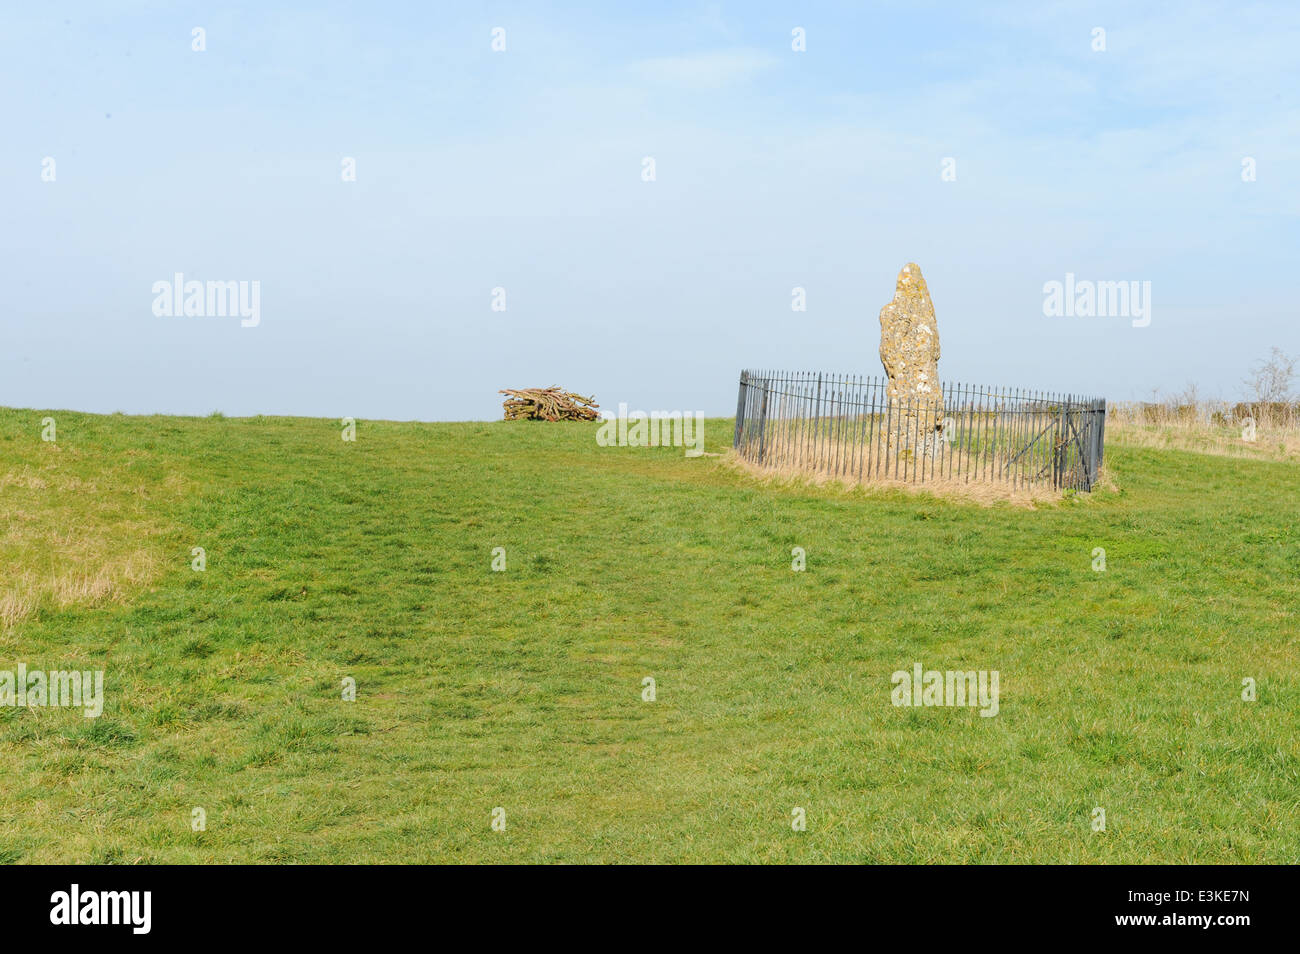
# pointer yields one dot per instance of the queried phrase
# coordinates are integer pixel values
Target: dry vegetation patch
(1259, 430)
(965, 487)
(70, 539)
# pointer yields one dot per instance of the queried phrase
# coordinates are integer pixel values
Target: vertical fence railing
(848, 426)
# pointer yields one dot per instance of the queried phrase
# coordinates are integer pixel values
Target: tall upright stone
(909, 350)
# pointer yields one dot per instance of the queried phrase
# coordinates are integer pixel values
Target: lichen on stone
(909, 350)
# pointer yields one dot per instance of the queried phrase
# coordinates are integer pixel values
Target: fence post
(740, 408)
(817, 420)
(762, 425)
(1101, 438)
(1098, 436)
(1060, 448)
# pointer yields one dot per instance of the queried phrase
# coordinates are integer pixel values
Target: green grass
(522, 689)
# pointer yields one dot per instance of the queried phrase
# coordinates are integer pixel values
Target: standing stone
(909, 350)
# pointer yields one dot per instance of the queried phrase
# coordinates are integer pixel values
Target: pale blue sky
(522, 169)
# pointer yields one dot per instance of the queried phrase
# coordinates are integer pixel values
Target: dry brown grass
(1209, 427)
(974, 490)
(70, 540)
(109, 581)
(951, 470)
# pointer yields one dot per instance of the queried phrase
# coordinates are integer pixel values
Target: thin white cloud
(709, 70)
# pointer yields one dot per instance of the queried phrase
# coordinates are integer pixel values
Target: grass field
(522, 689)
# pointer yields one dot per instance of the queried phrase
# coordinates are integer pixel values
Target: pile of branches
(548, 404)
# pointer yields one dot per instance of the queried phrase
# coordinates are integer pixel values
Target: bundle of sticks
(548, 404)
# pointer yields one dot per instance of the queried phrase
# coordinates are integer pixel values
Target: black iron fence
(849, 426)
